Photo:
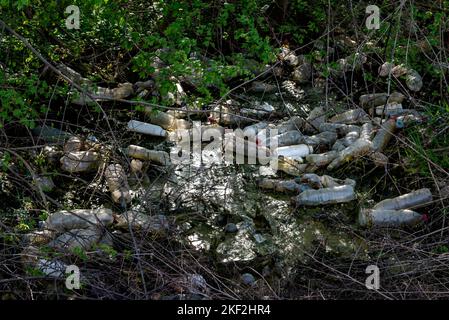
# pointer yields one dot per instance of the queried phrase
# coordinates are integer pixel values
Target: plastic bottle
(358, 149)
(166, 121)
(380, 99)
(323, 138)
(160, 157)
(73, 144)
(384, 135)
(286, 139)
(321, 160)
(379, 159)
(389, 109)
(80, 161)
(78, 219)
(367, 131)
(316, 117)
(291, 166)
(385, 69)
(146, 128)
(284, 186)
(392, 218)
(340, 128)
(350, 116)
(118, 184)
(312, 179)
(415, 199)
(332, 195)
(254, 129)
(294, 151)
(328, 181)
(413, 80)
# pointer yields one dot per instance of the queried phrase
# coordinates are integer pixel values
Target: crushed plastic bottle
(385, 69)
(380, 99)
(312, 179)
(118, 184)
(328, 181)
(322, 159)
(316, 117)
(413, 80)
(146, 128)
(284, 186)
(384, 135)
(73, 144)
(286, 139)
(388, 218)
(367, 131)
(350, 117)
(324, 196)
(358, 149)
(292, 167)
(340, 128)
(80, 161)
(323, 138)
(415, 199)
(160, 157)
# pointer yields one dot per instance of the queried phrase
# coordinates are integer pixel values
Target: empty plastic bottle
(284, 186)
(166, 121)
(291, 166)
(286, 139)
(358, 149)
(323, 138)
(350, 116)
(322, 159)
(413, 80)
(384, 135)
(311, 179)
(389, 109)
(80, 161)
(73, 144)
(391, 218)
(295, 151)
(160, 157)
(367, 131)
(332, 195)
(146, 128)
(118, 184)
(415, 199)
(379, 99)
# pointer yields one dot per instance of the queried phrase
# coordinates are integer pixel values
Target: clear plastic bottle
(358, 149)
(384, 135)
(415, 199)
(350, 116)
(118, 184)
(324, 196)
(388, 218)
(160, 157)
(322, 159)
(294, 151)
(146, 128)
(80, 161)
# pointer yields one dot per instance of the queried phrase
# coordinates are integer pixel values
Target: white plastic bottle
(146, 128)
